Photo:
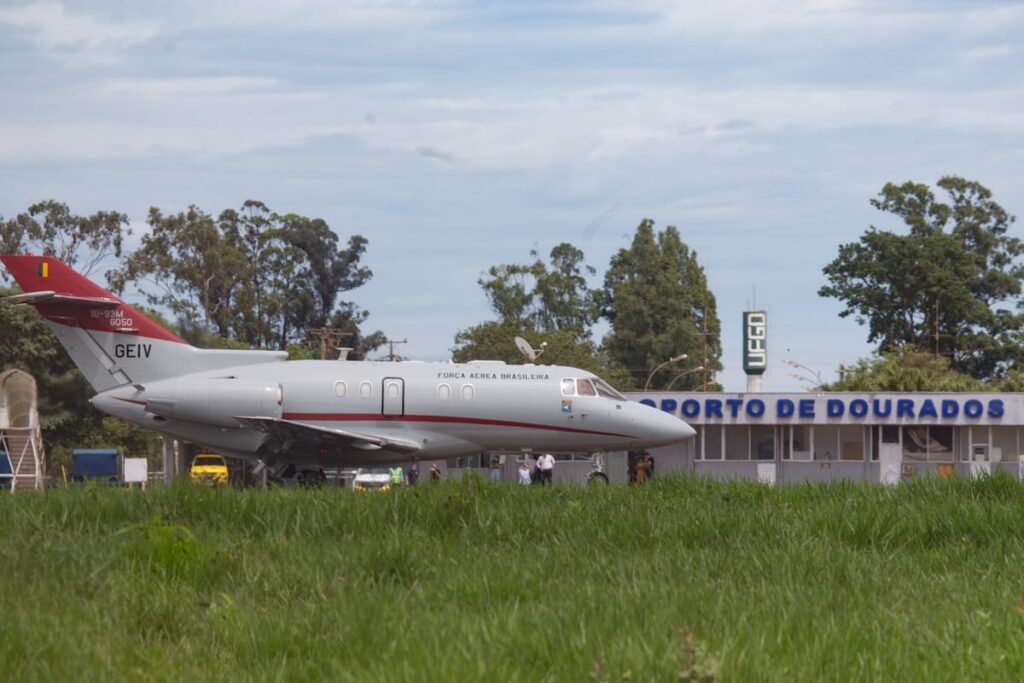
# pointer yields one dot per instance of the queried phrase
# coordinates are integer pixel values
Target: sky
(460, 135)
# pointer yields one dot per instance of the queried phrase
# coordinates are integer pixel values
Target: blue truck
(96, 464)
(6, 471)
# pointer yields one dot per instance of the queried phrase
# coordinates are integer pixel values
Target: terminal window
(712, 442)
(851, 442)
(762, 442)
(928, 443)
(1006, 442)
(737, 442)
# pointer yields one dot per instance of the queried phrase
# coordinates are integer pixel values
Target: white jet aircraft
(305, 415)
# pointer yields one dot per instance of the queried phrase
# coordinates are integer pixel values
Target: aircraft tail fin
(111, 342)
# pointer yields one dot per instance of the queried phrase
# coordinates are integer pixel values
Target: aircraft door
(393, 396)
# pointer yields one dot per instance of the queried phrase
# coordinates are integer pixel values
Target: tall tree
(545, 297)
(657, 300)
(49, 227)
(326, 270)
(548, 303)
(251, 276)
(195, 265)
(254, 230)
(949, 286)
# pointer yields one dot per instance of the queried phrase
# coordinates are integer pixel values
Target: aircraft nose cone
(681, 430)
(664, 428)
(672, 429)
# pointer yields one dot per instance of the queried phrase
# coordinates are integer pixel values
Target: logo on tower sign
(755, 342)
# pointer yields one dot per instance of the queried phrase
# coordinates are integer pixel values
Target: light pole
(699, 368)
(801, 366)
(673, 359)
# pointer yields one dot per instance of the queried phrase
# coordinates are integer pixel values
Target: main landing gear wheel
(597, 478)
(311, 479)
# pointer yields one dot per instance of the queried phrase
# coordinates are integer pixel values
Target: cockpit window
(606, 390)
(568, 387)
(585, 388)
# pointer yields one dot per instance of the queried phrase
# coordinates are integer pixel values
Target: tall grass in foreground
(684, 579)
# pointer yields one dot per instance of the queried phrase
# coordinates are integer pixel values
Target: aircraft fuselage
(446, 409)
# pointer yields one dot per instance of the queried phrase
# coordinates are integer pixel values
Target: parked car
(210, 469)
(372, 479)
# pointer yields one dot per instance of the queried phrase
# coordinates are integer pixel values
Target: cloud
(987, 52)
(434, 153)
(74, 37)
(516, 129)
(241, 16)
(177, 87)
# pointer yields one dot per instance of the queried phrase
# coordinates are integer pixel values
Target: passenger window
(340, 388)
(467, 392)
(365, 389)
(444, 391)
(568, 387)
(392, 389)
(585, 388)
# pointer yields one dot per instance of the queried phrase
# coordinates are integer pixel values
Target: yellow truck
(210, 469)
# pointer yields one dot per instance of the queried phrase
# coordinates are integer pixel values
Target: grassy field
(470, 581)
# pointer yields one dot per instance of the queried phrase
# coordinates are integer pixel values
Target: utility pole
(391, 347)
(327, 338)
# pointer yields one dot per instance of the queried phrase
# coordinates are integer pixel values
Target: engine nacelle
(214, 401)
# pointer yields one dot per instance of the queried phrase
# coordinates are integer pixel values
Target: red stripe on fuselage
(448, 419)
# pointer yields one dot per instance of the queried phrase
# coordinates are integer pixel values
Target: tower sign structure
(755, 348)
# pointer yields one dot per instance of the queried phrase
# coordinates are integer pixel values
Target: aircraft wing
(287, 431)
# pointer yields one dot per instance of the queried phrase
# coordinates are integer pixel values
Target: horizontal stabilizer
(288, 430)
(54, 298)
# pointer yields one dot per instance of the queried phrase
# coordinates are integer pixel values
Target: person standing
(412, 475)
(395, 475)
(435, 474)
(525, 476)
(641, 471)
(545, 468)
(495, 468)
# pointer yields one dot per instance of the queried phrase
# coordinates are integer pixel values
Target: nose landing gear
(597, 476)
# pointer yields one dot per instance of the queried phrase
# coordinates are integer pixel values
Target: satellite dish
(524, 348)
(528, 353)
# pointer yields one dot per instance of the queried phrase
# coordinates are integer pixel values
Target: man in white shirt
(545, 468)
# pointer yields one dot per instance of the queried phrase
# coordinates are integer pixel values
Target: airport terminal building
(876, 437)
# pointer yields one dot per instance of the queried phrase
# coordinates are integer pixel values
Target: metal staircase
(24, 447)
(20, 435)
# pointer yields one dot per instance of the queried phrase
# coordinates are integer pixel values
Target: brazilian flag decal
(44, 269)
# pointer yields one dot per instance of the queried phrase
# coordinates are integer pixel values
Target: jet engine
(214, 401)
